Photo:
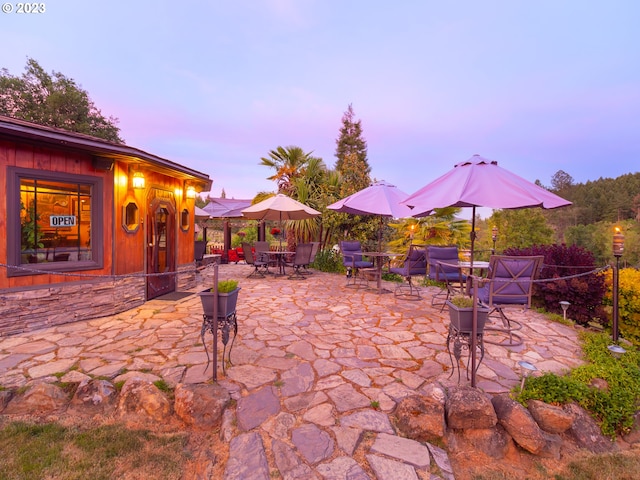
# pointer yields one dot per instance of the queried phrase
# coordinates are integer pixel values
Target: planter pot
(226, 302)
(462, 318)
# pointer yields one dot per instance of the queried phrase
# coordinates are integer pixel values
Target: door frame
(161, 285)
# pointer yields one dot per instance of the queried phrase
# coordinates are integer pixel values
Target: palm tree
(289, 164)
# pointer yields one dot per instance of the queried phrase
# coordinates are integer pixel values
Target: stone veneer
(56, 304)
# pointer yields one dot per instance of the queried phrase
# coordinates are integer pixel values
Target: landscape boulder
(200, 405)
(519, 423)
(143, 400)
(468, 407)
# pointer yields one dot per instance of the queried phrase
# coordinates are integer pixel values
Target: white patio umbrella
(279, 207)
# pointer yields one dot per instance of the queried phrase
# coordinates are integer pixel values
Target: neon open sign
(62, 221)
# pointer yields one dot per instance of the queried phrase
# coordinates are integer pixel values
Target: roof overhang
(38, 135)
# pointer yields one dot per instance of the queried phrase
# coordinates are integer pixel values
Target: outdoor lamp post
(618, 248)
(494, 237)
(527, 369)
(565, 306)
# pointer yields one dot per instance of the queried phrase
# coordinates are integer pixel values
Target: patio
(383, 347)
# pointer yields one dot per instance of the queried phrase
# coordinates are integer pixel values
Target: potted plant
(227, 298)
(461, 313)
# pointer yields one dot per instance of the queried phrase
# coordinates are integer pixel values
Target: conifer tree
(351, 155)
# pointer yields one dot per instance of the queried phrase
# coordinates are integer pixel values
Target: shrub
(628, 302)
(226, 286)
(614, 407)
(328, 261)
(584, 292)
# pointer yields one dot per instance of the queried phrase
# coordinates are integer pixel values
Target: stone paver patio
(310, 350)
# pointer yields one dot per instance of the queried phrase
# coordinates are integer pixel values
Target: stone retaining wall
(56, 304)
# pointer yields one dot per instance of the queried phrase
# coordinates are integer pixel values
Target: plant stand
(460, 334)
(462, 341)
(225, 324)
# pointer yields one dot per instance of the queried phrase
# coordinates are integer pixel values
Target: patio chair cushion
(352, 255)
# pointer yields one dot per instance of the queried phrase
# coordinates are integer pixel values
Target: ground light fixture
(616, 350)
(565, 306)
(527, 369)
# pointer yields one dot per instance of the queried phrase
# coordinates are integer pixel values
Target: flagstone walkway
(310, 355)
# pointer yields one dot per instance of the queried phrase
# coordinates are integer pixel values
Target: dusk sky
(538, 86)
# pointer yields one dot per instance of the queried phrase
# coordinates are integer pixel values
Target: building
(92, 227)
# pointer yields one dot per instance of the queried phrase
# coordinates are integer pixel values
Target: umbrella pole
(474, 330)
(472, 235)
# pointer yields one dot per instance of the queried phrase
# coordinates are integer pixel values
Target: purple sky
(538, 86)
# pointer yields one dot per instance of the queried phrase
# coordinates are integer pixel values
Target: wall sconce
(190, 191)
(137, 180)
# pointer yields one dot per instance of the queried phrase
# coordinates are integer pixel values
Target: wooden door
(161, 245)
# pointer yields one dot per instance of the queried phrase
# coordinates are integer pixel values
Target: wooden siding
(26, 156)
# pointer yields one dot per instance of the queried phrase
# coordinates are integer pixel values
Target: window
(131, 217)
(184, 220)
(52, 221)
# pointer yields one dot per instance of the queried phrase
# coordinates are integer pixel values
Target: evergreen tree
(351, 154)
(55, 101)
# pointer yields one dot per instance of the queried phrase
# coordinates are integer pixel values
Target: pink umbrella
(479, 182)
(380, 198)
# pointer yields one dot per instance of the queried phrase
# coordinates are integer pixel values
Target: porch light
(190, 191)
(137, 180)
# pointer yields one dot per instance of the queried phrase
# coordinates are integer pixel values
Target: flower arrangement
(275, 231)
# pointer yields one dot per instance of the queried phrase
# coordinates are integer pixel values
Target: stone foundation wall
(56, 304)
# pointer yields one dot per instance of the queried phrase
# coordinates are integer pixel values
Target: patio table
(280, 263)
(379, 259)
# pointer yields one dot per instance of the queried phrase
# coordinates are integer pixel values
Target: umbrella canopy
(279, 207)
(226, 207)
(479, 182)
(380, 198)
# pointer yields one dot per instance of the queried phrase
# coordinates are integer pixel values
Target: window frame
(14, 256)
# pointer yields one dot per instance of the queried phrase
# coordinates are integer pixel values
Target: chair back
(303, 254)
(437, 254)
(314, 251)
(415, 262)
(248, 254)
(351, 252)
(261, 246)
(511, 280)
(199, 249)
